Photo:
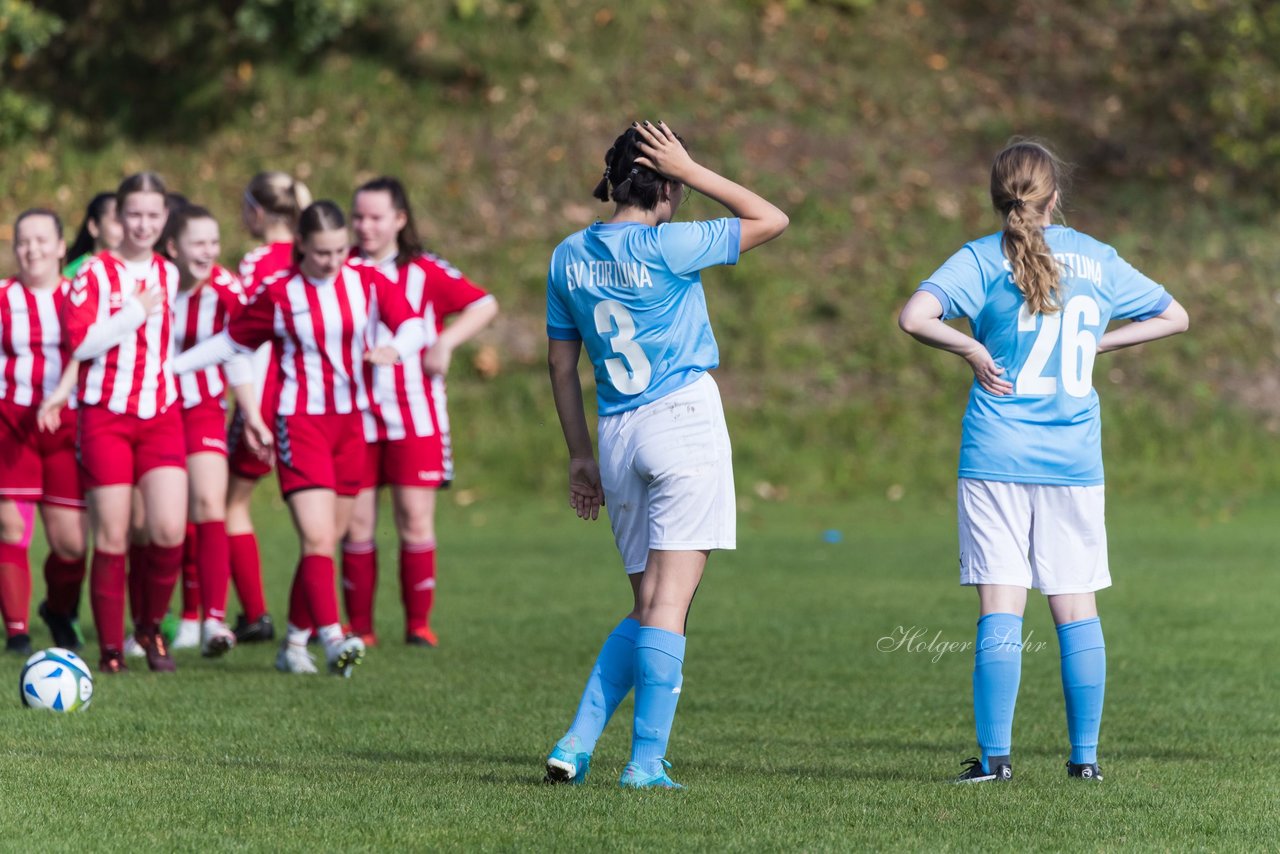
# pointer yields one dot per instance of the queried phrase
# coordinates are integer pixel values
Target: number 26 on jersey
(1065, 332)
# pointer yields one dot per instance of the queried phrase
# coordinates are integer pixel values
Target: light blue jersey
(1049, 429)
(632, 294)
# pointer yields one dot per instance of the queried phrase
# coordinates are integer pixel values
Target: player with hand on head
(269, 210)
(37, 465)
(208, 296)
(321, 313)
(406, 426)
(1038, 298)
(119, 324)
(629, 290)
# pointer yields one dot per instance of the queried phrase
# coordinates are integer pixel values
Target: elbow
(908, 323)
(778, 224)
(1181, 321)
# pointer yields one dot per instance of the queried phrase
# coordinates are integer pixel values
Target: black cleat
(1084, 771)
(1002, 772)
(20, 644)
(260, 630)
(62, 627)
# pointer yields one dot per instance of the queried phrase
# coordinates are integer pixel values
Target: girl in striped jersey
(37, 465)
(269, 210)
(407, 427)
(120, 326)
(208, 296)
(321, 313)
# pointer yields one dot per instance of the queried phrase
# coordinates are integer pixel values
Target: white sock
(297, 636)
(331, 635)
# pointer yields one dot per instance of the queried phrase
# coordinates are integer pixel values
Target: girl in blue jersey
(1038, 298)
(629, 290)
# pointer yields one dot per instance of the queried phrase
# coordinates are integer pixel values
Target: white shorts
(1051, 538)
(667, 472)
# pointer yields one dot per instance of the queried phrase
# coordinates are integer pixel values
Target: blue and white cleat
(634, 777)
(564, 766)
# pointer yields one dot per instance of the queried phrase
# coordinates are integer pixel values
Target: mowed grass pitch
(794, 729)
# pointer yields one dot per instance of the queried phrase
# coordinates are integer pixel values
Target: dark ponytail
(633, 185)
(94, 212)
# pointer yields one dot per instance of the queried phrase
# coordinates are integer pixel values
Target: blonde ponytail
(1025, 179)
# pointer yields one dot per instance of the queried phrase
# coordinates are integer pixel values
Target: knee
(318, 543)
(168, 534)
(12, 534)
(361, 529)
(417, 530)
(67, 546)
(206, 508)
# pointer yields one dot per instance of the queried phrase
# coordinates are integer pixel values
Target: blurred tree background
(871, 121)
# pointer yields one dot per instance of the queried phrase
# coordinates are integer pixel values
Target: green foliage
(24, 31)
(1159, 87)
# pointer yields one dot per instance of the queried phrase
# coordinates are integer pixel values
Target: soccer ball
(56, 679)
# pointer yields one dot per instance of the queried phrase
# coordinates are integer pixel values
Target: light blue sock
(1084, 678)
(609, 683)
(659, 656)
(997, 669)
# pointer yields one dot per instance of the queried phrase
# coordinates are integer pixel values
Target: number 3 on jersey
(1078, 348)
(609, 313)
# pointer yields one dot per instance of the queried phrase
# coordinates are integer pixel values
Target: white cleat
(294, 658)
(188, 636)
(133, 649)
(345, 655)
(216, 639)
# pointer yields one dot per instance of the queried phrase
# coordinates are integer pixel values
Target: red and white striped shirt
(198, 314)
(404, 399)
(322, 331)
(31, 355)
(134, 377)
(262, 263)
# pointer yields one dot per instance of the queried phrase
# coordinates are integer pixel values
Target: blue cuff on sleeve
(931, 288)
(1157, 310)
(735, 241)
(563, 333)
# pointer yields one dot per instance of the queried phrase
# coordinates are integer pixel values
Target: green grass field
(794, 731)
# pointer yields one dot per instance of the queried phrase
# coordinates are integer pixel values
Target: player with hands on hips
(629, 290)
(1038, 298)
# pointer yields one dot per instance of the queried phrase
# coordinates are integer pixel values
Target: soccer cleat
(261, 629)
(216, 639)
(294, 658)
(158, 657)
(344, 656)
(975, 773)
(421, 636)
(62, 627)
(187, 635)
(1084, 771)
(133, 649)
(564, 766)
(20, 644)
(634, 777)
(112, 661)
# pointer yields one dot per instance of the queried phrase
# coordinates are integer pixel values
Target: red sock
(246, 571)
(359, 583)
(62, 580)
(164, 568)
(319, 584)
(15, 588)
(299, 614)
(214, 562)
(106, 595)
(138, 574)
(418, 582)
(190, 575)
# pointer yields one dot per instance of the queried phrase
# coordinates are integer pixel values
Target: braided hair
(633, 184)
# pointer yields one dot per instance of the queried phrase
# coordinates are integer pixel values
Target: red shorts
(320, 452)
(205, 428)
(242, 461)
(412, 461)
(38, 466)
(120, 449)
